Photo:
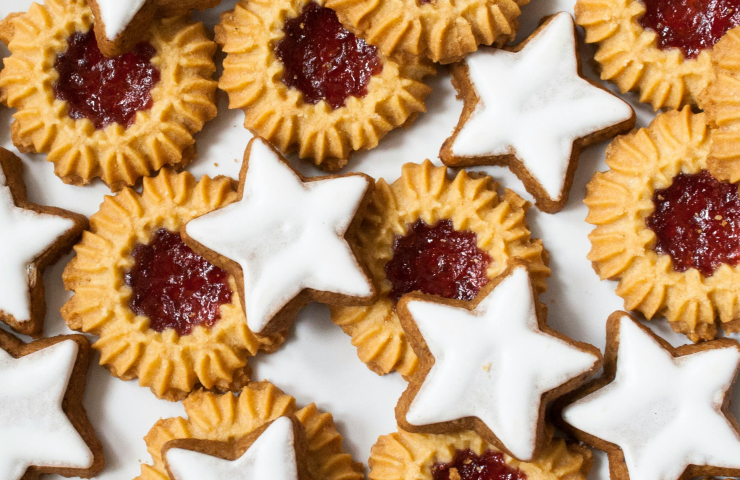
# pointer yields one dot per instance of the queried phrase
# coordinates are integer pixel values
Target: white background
(318, 363)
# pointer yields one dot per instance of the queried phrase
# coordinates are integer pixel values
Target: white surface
(318, 363)
(117, 14)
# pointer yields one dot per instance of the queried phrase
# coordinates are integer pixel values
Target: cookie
(228, 418)
(437, 234)
(118, 119)
(32, 237)
(164, 314)
(283, 239)
(306, 84)
(276, 450)
(466, 456)
(490, 365)
(662, 50)
(531, 109)
(660, 413)
(121, 24)
(443, 31)
(43, 425)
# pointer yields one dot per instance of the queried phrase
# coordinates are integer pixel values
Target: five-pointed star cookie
(31, 237)
(489, 367)
(274, 452)
(43, 426)
(531, 109)
(121, 24)
(283, 240)
(661, 413)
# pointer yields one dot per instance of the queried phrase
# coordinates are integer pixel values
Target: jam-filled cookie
(440, 236)
(229, 418)
(117, 118)
(661, 48)
(441, 30)
(667, 228)
(163, 313)
(306, 83)
(466, 456)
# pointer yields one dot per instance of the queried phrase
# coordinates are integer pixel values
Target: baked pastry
(442, 30)
(118, 119)
(667, 228)
(656, 411)
(466, 456)
(305, 83)
(228, 418)
(164, 314)
(661, 49)
(429, 233)
(31, 238)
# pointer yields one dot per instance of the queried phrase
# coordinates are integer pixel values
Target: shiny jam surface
(174, 286)
(691, 25)
(437, 260)
(697, 222)
(468, 466)
(323, 60)
(105, 90)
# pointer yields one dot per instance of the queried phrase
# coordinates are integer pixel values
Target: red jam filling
(323, 60)
(468, 466)
(697, 222)
(437, 260)
(691, 25)
(105, 90)
(174, 286)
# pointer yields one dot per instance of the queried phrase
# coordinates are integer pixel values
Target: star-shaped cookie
(283, 239)
(31, 237)
(43, 425)
(660, 413)
(121, 24)
(490, 365)
(531, 109)
(275, 452)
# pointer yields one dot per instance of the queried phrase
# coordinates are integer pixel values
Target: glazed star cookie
(305, 83)
(118, 119)
(164, 314)
(667, 228)
(443, 31)
(430, 233)
(230, 418)
(656, 411)
(466, 456)
(43, 425)
(276, 451)
(121, 24)
(283, 239)
(531, 109)
(661, 49)
(490, 366)
(31, 238)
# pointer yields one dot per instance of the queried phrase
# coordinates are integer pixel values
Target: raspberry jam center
(323, 60)
(468, 466)
(691, 25)
(174, 286)
(437, 260)
(105, 90)
(697, 222)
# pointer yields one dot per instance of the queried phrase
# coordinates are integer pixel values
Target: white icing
(663, 412)
(286, 235)
(493, 363)
(271, 457)
(117, 14)
(533, 104)
(24, 235)
(33, 427)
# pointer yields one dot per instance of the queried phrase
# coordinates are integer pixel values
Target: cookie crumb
(215, 164)
(454, 474)
(487, 368)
